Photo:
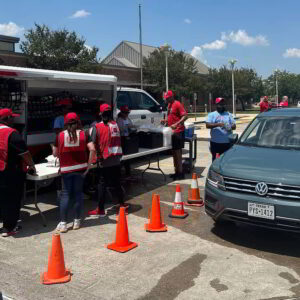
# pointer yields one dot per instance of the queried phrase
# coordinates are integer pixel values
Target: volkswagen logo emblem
(261, 189)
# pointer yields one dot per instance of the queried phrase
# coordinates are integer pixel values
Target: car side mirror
(233, 138)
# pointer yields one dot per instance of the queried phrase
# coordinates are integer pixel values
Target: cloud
(197, 52)
(216, 45)
(11, 29)
(187, 21)
(80, 14)
(241, 37)
(292, 52)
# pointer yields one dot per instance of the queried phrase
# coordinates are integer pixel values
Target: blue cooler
(189, 130)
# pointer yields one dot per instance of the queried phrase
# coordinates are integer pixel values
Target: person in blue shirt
(66, 106)
(221, 123)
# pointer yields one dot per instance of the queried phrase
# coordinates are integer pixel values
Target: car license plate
(261, 210)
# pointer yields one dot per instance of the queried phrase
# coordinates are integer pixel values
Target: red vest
(5, 133)
(72, 156)
(108, 140)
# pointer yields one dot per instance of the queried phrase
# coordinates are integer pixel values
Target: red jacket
(108, 140)
(72, 156)
(5, 133)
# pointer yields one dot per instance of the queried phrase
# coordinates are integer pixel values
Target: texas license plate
(261, 210)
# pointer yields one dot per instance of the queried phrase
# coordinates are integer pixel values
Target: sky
(261, 34)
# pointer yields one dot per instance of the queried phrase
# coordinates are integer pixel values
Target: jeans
(72, 189)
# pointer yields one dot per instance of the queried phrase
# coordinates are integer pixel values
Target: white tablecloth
(48, 170)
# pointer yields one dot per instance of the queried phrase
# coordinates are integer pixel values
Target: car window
(123, 98)
(273, 132)
(141, 101)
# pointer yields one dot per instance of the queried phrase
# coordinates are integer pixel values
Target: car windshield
(273, 132)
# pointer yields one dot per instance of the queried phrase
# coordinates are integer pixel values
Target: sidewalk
(240, 119)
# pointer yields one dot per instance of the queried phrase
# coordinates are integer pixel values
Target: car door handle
(143, 116)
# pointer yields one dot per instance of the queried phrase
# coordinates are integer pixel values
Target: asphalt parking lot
(193, 260)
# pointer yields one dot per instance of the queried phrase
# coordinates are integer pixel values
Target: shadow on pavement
(261, 239)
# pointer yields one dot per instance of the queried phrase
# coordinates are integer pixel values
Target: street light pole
(167, 72)
(166, 48)
(141, 46)
(232, 63)
(276, 87)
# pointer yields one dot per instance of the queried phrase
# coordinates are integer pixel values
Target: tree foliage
(58, 50)
(288, 85)
(184, 79)
(181, 72)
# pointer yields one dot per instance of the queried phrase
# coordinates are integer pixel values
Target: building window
(5, 46)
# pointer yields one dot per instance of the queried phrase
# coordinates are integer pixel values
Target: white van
(144, 108)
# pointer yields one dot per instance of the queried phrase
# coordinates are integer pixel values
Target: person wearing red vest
(176, 117)
(71, 148)
(13, 157)
(107, 139)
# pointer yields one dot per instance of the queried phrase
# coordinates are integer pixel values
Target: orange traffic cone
(178, 209)
(156, 224)
(57, 273)
(122, 243)
(194, 198)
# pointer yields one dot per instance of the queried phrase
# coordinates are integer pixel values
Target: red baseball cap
(65, 102)
(124, 108)
(70, 117)
(7, 112)
(168, 94)
(218, 100)
(104, 107)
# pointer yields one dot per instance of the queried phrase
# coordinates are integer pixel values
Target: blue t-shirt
(59, 122)
(218, 134)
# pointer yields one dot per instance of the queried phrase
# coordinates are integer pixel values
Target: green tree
(181, 72)
(288, 85)
(248, 85)
(58, 50)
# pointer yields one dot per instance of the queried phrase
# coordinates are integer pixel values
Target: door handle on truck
(143, 116)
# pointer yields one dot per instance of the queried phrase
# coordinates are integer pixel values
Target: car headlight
(216, 180)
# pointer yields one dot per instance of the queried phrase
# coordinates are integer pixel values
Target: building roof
(123, 62)
(9, 39)
(147, 50)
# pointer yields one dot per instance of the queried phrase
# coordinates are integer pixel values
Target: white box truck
(34, 94)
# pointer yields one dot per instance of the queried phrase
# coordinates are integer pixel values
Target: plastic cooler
(189, 130)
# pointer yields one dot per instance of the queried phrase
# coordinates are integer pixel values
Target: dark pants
(127, 168)
(109, 177)
(11, 193)
(72, 189)
(219, 148)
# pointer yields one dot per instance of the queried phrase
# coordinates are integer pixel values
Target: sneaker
(62, 227)
(76, 224)
(97, 213)
(6, 233)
